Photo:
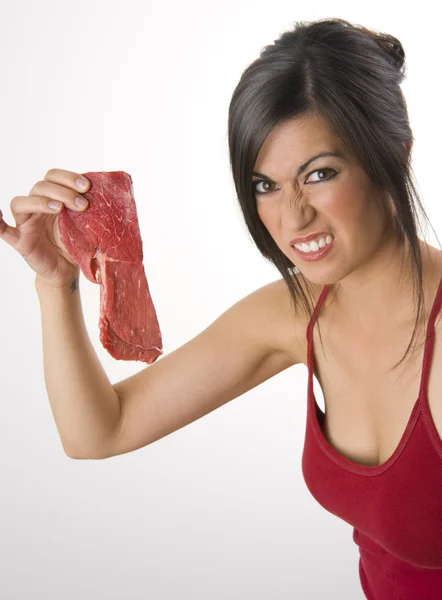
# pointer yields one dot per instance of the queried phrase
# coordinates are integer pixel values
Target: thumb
(9, 234)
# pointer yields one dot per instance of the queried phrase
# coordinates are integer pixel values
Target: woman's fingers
(57, 192)
(68, 179)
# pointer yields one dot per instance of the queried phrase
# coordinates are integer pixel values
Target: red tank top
(395, 508)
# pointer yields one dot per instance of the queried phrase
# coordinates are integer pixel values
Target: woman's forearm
(84, 404)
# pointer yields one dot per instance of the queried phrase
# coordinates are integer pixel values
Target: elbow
(98, 453)
(87, 456)
(81, 457)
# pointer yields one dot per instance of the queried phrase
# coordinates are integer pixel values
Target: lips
(316, 255)
(309, 238)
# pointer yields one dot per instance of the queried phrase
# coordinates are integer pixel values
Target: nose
(296, 211)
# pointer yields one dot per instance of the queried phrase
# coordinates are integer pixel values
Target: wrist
(69, 285)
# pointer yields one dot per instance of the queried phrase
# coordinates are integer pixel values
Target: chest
(367, 403)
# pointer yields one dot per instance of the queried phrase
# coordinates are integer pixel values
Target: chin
(318, 280)
(326, 277)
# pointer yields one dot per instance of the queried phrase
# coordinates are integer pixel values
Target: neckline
(314, 408)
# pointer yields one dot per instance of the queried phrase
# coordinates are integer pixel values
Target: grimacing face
(332, 194)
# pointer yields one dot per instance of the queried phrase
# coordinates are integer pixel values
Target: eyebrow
(303, 167)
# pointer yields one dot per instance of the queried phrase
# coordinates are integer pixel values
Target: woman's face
(332, 194)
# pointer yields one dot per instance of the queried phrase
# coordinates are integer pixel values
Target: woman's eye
(271, 183)
(259, 183)
(321, 171)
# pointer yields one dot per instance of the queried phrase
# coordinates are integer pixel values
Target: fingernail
(80, 202)
(82, 183)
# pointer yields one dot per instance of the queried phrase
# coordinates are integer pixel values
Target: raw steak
(105, 242)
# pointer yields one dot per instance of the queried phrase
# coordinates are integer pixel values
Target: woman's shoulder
(288, 322)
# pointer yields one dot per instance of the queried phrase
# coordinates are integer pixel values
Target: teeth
(314, 245)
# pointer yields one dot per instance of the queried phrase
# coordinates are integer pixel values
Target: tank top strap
(310, 358)
(316, 311)
(429, 341)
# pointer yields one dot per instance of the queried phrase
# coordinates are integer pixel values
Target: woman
(320, 145)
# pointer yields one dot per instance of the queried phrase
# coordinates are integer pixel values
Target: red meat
(105, 242)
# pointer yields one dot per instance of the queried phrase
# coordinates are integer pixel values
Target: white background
(219, 509)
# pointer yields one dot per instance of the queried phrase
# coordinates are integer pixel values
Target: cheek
(350, 206)
(358, 221)
(267, 216)
(343, 210)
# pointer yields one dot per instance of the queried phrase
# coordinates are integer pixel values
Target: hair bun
(399, 49)
(394, 49)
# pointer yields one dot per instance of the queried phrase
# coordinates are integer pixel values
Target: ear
(392, 207)
(408, 146)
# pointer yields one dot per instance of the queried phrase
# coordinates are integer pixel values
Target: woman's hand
(36, 236)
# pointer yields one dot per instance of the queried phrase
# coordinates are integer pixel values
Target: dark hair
(351, 77)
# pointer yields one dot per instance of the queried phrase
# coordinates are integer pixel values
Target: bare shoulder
(285, 325)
